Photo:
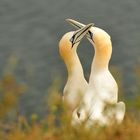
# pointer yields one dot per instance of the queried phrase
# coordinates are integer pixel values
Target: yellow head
(69, 42)
(101, 41)
(65, 46)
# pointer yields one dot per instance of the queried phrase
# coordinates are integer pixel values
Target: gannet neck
(101, 58)
(103, 49)
(74, 66)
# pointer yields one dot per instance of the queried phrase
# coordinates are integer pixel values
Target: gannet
(102, 89)
(76, 83)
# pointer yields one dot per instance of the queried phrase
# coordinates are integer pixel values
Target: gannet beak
(79, 25)
(79, 34)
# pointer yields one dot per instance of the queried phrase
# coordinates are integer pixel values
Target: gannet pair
(102, 90)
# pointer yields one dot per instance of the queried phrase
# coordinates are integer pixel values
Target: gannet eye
(91, 34)
(72, 39)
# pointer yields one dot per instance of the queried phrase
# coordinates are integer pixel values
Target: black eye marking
(72, 39)
(91, 34)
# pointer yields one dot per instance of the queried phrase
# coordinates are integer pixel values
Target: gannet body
(102, 88)
(76, 83)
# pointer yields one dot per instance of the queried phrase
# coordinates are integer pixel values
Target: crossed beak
(79, 34)
(79, 25)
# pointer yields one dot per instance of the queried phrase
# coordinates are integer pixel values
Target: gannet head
(69, 42)
(99, 37)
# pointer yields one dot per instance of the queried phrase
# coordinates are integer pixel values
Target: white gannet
(102, 89)
(76, 83)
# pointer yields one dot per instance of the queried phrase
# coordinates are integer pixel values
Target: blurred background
(30, 31)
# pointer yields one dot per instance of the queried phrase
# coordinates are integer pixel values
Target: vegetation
(56, 125)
